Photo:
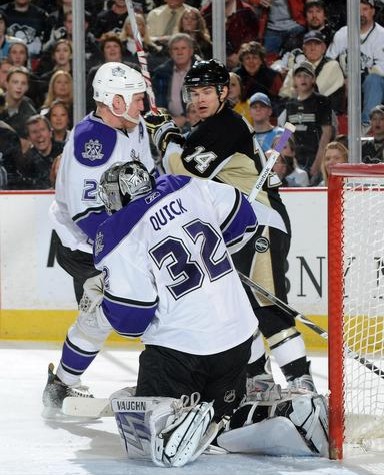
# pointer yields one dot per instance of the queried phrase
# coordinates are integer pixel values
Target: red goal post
(356, 308)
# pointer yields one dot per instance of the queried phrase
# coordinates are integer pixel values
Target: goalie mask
(117, 79)
(122, 183)
(205, 73)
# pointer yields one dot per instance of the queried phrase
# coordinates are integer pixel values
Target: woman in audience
(257, 76)
(335, 152)
(60, 87)
(61, 58)
(59, 117)
(236, 97)
(18, 55)
(192, 22)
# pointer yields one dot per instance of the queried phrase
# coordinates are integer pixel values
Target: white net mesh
(363, 308)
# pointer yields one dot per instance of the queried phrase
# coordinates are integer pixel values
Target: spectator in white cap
(261, 113)
(329, 75)
(371, 58)
(311, 114)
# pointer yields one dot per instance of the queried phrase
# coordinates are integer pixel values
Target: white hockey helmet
(117, 78)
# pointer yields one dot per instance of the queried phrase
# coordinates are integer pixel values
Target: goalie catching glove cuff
(162, 129)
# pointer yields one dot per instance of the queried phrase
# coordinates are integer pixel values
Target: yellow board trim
(44, 325)
(52, 325)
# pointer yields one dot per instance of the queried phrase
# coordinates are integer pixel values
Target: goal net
(356, 308)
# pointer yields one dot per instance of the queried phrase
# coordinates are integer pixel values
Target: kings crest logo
(118, 72)
(99, 246)
(93, 150)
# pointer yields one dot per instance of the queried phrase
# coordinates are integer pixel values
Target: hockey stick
(141, 55)
(288, 131)
(301, 318)
(87, 407)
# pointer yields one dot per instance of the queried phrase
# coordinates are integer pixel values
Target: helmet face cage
(122, 183)
(205, 73)
(134, 181)
(109, 191)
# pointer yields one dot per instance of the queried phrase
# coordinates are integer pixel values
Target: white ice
(30, 445)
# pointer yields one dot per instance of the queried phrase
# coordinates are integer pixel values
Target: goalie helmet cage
(356, 308)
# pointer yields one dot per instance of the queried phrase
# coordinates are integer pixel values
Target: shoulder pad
(94, 142)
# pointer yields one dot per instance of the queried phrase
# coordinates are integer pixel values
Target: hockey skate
(262, 387)
(56, 391)
(303, 384)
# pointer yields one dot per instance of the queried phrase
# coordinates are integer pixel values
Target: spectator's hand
(162, 129)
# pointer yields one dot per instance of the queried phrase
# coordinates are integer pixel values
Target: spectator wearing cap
(329, 75)
(311, 114)
(261, 112)
(29, 23)
(373, 147)
(5, 40)
(372, 58)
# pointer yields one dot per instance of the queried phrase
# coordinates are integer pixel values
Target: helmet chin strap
(125, 116)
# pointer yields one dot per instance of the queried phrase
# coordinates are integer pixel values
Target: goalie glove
(162, 129)
(93, 294)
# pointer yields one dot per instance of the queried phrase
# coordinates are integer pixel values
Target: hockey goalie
(173, 432)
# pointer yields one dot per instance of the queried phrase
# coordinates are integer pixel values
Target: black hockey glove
(162, 129)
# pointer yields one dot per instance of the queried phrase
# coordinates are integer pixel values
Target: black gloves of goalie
(162, 129)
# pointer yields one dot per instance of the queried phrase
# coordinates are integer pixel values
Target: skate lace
(304, 382)
(78, 391)
(263, 388)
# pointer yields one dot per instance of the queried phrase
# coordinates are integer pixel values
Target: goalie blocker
(172, 432)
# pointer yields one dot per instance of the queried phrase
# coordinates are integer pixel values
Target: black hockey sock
(296, 368)
(257, 367)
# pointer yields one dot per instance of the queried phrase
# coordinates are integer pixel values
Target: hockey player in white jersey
(115, 132)
(168, 277)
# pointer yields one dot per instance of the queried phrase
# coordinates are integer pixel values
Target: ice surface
(30, 445)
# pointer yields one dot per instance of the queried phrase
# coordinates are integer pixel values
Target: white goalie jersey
(168, 275)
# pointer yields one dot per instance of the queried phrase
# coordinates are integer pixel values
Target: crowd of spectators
(287, 61)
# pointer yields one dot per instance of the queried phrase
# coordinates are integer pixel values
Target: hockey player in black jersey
(223, 147)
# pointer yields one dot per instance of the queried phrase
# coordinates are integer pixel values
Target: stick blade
(87, 407)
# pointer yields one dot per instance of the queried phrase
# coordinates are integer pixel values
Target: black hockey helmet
(205, 73)
(123, 182)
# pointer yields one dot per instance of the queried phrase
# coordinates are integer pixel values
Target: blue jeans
(373, 95)
(275, 39)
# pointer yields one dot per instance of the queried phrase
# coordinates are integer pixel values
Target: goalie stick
(307, 322)
(288, 131)
(141, 55)
(87, 407)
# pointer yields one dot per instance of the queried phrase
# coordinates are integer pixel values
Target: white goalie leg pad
(135, 421)
(310, 416)
(164, 430)
(296, 425)
(187, 435)
(277, 436)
